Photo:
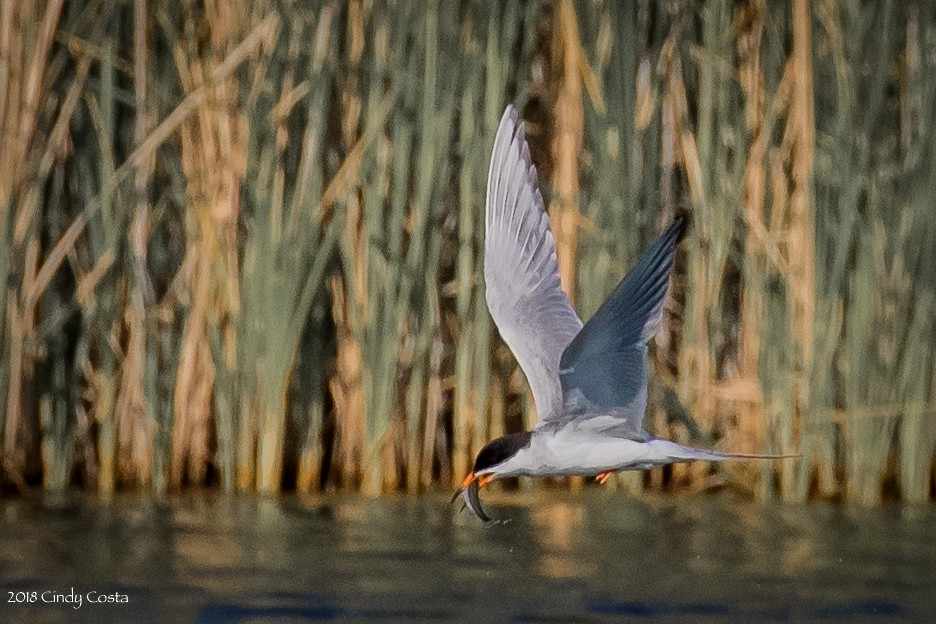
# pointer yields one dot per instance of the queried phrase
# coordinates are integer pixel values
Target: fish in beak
(472, 501)
(491, 457)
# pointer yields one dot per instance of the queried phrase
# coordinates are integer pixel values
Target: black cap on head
(499, 450)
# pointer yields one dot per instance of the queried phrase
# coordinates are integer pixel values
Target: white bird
(589, 382)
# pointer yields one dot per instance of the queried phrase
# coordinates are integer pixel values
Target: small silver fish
(472, 501)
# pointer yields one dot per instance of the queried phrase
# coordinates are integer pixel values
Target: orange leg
(604, 476)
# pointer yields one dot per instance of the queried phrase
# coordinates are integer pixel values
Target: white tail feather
(671, 452)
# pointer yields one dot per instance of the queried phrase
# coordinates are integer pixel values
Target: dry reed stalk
(801, 241)
(26, 45)
(137, 383)
(346, 389)
(568, 121)
(213, 154)
(800, 226)
(750, 19)
(349, 290)
(22, 91)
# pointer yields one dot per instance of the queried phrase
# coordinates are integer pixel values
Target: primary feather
(521, 272)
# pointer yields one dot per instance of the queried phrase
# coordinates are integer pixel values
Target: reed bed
(242, 242)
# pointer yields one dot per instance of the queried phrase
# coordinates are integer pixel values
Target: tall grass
(242, 242)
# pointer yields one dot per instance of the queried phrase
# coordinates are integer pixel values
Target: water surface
(601, 556)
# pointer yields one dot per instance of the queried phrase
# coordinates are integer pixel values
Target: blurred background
(242, 241)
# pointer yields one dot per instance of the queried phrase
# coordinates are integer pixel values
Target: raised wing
(604, 369)
(521, 272)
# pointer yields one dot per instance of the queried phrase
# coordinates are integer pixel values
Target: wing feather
(604, 369)
(521, 272)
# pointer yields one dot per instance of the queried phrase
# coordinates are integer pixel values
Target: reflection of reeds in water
(243, 243)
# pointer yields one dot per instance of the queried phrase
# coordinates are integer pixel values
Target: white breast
(569, 452)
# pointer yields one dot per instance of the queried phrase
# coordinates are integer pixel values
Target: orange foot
(604, 476)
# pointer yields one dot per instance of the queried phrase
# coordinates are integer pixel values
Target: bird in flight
(589, 382)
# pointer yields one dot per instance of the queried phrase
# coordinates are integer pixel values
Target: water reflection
(597, 557)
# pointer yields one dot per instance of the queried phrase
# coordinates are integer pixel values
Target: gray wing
(521, 272)
(604, 369)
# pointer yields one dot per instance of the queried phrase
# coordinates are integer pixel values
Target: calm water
(598, 557)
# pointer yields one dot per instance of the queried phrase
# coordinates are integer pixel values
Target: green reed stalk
(102, 309)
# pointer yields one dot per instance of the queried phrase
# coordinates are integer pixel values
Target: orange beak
(482, 480)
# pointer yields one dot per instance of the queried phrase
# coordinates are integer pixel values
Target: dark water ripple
(599, 557)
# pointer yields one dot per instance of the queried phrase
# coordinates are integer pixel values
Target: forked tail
(667, 451)
(757, 456)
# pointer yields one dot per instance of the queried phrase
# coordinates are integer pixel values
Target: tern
(589, 382)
